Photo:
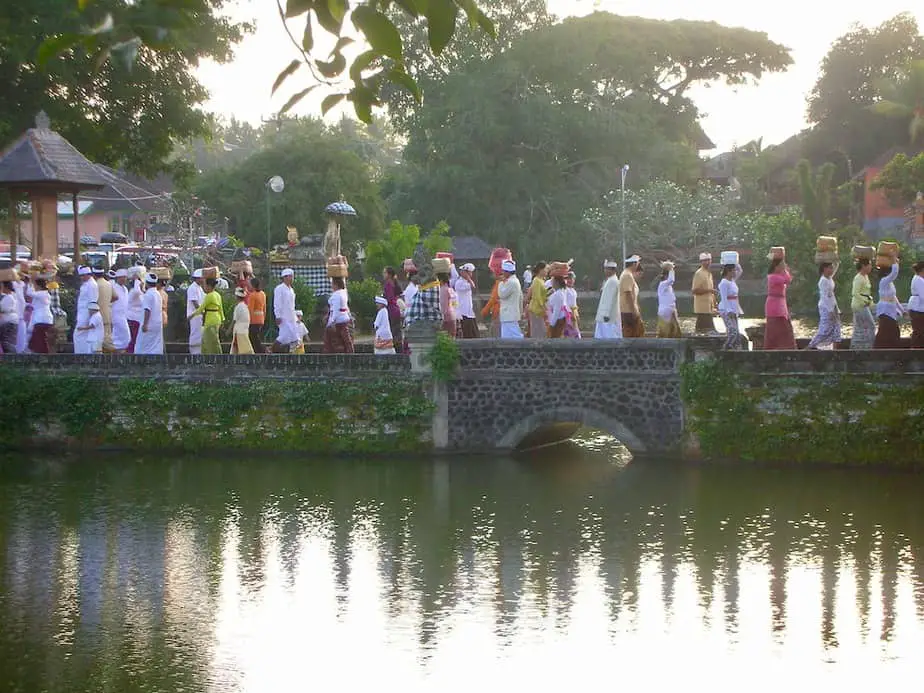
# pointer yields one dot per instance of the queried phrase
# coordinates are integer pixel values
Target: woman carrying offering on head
(240, 335)
(829, 315)
(337, 337)
(778, 333)
(861, 303)
(557, 310)
(888, 310)
(729, 308)
(668, 324)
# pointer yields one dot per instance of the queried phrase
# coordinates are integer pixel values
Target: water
(543, 574)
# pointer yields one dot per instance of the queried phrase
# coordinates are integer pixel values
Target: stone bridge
(529, 393)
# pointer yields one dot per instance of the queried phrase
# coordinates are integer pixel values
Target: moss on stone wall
(332, 416)
(830, 419)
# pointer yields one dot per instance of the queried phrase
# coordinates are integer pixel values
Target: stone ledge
(900, 361)
(571, 376)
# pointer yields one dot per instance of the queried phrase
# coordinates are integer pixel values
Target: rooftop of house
(42, 157)
(125, 193)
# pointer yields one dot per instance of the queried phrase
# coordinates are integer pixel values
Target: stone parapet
(215, 367)
(882, 362)
(561, 356)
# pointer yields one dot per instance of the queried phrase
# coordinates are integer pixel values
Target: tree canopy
(516, 148)
(318, 168)
(150, 25)
(901, 179)
(849, 84)
(903, 98)
(115, 112)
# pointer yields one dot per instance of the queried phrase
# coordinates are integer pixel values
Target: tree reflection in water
(202, 574)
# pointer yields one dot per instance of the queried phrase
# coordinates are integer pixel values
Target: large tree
(903, 98)
(515, 149)
(317, 168)
(359, 79)
(469, 46)
(839, 107)
(116, 112)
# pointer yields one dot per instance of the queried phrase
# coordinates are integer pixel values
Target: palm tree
(903, 97)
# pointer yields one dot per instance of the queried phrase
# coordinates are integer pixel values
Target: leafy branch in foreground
(120, 32)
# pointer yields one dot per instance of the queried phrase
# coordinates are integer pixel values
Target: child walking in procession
(384, 342)
(302, 331)
(92, 342)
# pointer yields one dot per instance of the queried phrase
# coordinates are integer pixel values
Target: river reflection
(196, 575)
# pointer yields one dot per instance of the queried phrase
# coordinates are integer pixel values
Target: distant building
(881, 218)
(127, 204)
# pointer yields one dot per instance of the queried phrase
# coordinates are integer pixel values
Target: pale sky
(774, 109)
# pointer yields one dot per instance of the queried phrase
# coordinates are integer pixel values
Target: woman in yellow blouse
(214, 313)
(536, 298)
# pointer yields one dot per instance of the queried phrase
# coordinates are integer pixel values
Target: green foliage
(444, 357)
(323, 416)
(791, 230)
(362, 301)
(299, 152)
(383, 61)
(517, 148)
(902, 179)
(119, 102)
(846, 419)
(665, 217)
(903, 97)
(858, 63)
(815, 190)
(469, 45)
(398, 243)
(438, 240)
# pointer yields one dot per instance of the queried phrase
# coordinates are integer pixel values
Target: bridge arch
(556, 422)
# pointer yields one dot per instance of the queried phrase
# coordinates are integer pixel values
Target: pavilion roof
(43, 158)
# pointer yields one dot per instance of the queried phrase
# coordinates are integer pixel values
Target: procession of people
(125, 311)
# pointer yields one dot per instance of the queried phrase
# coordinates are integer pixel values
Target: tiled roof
(42, 156)
(122, 195)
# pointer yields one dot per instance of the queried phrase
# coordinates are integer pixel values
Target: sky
(773, 109)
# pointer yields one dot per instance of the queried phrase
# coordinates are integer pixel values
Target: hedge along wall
(834, 418)
(324, 416)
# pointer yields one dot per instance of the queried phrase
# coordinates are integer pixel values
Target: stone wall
(506, 391)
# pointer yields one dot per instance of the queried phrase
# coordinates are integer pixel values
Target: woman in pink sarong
(778, 333)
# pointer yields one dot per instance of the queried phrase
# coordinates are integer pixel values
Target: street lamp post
(275, 184)
(624, 171)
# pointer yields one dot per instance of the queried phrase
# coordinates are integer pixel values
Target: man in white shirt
(89, 293)
(194, 297)
(105, 307)
(609, 322)
(511, 302)
(284, 311)
(527, 278)
(121, 335)
(465, 287)
(151, 338)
